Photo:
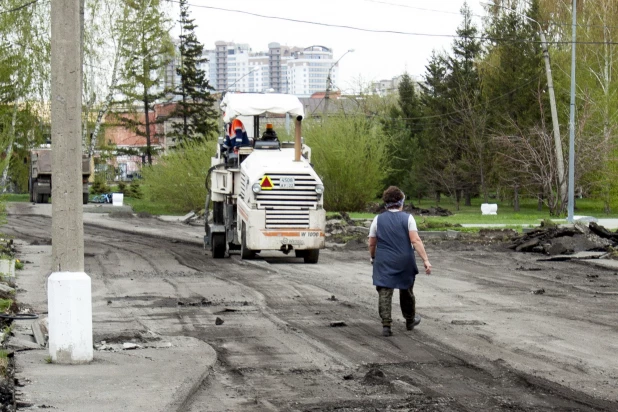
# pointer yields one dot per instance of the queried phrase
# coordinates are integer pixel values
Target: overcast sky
(377, 55)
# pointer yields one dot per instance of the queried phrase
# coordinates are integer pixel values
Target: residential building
(281, 69)
(308, 71)
(385, 87)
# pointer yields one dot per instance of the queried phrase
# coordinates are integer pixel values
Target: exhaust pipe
(297, 142)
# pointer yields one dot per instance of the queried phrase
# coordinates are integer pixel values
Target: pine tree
(408, 146)
(514, 81)
(435, 106)
(196, 106)
(464, 145)
(146, 51)
(513, 70)
(433, 87)
(464, 76)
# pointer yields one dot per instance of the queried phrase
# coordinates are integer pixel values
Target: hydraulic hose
(208, 192)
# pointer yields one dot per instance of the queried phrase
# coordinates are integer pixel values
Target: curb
(183, 395)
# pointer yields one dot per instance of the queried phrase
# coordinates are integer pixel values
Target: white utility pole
(69, 288)
(571, 202)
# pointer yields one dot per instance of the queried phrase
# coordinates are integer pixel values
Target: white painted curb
(70, 317)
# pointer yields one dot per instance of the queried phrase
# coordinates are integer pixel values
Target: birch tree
(24, 76)
(598, 92)
(106, 31)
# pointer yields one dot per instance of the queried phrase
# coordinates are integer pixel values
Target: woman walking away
(391, 237)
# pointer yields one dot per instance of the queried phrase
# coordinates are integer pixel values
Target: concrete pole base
(70, 317)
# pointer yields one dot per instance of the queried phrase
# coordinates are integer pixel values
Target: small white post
(70, 317)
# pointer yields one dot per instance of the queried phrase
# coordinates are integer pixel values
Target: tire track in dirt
(284, 371)
(482, 386)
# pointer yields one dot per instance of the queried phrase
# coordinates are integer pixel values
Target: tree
(146, 52)
(514, 78)
(435, 106)
(105, 33)
(597, 141)
(350, 154)
(512, 69)
(196, 106)
(403, 126)
(24, 77)
(460, 159)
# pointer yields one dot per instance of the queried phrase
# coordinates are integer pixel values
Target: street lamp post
(552, 105)
(329, 83)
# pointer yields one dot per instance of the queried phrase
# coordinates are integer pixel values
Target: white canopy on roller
(253, 104)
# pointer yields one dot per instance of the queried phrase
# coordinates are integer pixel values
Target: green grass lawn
(15, 197)
(528, 213)
(145, 204)
(152, 207)
(138, 205)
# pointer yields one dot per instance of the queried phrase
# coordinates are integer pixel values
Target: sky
(376, 56)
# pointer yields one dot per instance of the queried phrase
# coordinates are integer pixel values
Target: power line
(392, 31)
(481, 16)
(23, 6)
(416, 8)
(581, 25)
(434, 124)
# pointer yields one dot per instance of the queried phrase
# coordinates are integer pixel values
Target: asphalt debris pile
(566, 240)
(341, 229)
(410, 208)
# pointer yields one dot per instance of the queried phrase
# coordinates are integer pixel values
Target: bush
(135, 191)
(178, 178)
(349, 154)
(99, 186)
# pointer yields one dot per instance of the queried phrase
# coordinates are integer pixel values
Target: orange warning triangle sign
(266, 183)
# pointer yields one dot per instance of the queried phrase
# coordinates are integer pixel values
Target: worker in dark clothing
(391, 237)
(270, 134)
(239, 138)
(236, 135)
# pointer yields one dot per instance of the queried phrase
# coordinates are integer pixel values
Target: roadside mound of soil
(410, 208)
(564, 240)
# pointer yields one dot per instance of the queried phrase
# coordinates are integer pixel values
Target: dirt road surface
(486, 342)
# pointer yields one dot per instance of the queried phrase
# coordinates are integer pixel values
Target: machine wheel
(245, 253)
(312, 256)
(85, 198)
(39, 198)
(218, 245)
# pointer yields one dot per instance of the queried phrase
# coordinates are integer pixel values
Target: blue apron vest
(394, 265)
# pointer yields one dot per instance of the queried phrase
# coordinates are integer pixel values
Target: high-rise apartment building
(307, 71)
(281, 69)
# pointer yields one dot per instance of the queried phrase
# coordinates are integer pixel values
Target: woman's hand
(427, 267)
